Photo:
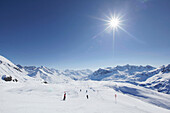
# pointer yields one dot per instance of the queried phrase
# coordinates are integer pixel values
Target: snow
(35, 97)
(137, 87)
(48, 74)
(9, 69)
(146, 76)
(126, 72)
(143, 94)
(4, 60)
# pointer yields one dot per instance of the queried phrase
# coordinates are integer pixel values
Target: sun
(114, 22)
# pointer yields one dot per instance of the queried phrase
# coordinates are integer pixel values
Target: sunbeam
(133, 37)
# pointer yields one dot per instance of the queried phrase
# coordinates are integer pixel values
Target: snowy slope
(132, 84)
(160, 81)
(41, 98)
(9, 69)
(147, 95)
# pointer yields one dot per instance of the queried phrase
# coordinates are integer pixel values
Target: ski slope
(31, 95)
(35, 97)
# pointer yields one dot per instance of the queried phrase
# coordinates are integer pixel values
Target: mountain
(10, 70)
(53, 75)
(136, 87)
(160, 81)
(77, 74)
(146, 76)
(126, 72)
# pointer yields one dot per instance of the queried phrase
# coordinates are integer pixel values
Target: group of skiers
(87, 96)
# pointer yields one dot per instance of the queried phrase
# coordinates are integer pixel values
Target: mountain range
(146, 76)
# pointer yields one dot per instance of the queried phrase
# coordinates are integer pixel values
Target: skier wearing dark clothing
(64, 96)
(87, 96)
(86, 91)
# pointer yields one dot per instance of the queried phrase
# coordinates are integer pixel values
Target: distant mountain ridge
(145, 76)
(128, 72)
(45, 73)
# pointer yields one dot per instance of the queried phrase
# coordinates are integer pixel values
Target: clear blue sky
(59, 33)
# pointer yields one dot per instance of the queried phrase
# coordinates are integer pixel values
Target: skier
(64, 96)
(115, 98)
(80, 90)
(86, 91)
(87, 96)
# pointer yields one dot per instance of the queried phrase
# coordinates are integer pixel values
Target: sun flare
(114, 22)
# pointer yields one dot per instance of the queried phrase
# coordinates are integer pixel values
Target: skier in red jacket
(115, 98)
(64, 96)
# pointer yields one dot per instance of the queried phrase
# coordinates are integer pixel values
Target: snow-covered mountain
(77, 74)
(160, 81)
(8, 69)
(53, 75)
(126, 72)
(23, 73)
(146, 76)
(137, 87)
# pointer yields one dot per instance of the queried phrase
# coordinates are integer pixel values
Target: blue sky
(59, 33)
